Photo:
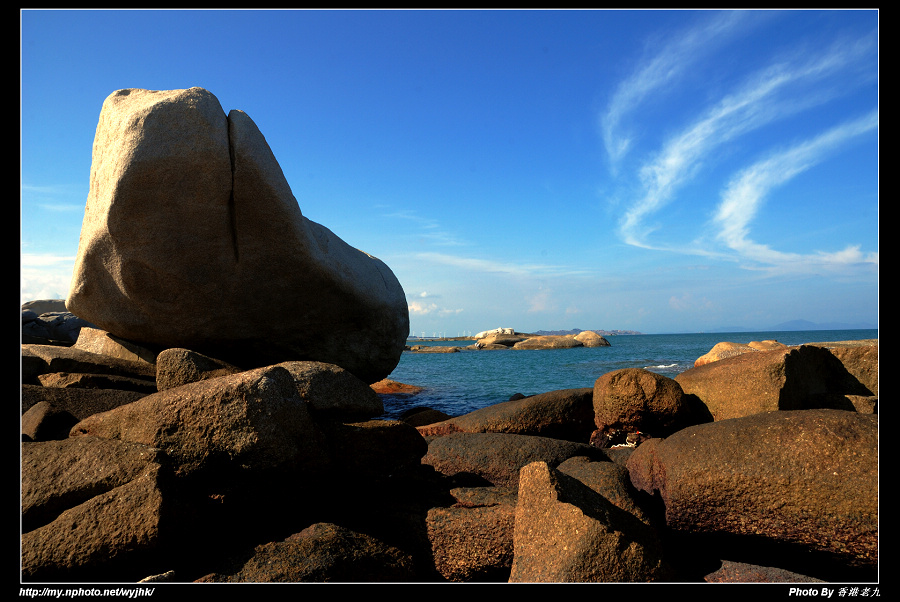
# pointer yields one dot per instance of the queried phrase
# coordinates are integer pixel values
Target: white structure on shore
(485, 333)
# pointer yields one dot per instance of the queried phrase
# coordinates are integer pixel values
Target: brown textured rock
(782, 379)
(100, 341)
(65, 380)
(250, 421)
(171, 172)
(473, 539)
(566, 532)
(766, 345)
(633, 399)
(322, 553)
(45, 422)
(109, 537)
(609, 479)
(741, 572)
(176, 367)
(44, 359)
(565, 414)
(387, 386)
(860, 358)
(807, 477)
(332, 391)
(496, 458)
(58, 475)
(81, 403)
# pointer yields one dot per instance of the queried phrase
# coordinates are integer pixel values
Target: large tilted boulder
(806, 477)
(191, 237)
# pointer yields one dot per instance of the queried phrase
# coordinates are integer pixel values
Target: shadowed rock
(807, 477)
(566, 532)
(565, 414)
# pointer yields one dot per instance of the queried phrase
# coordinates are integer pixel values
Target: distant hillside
(602, 333)
(807, 325)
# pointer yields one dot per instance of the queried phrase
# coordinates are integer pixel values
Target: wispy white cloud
(650, 80)
(746, 192)
(427, 229)
(44, 260)
(781, 90)
(419, 308)
(499, 267)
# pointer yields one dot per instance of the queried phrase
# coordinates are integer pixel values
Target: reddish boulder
(633, 399)
(808, 478)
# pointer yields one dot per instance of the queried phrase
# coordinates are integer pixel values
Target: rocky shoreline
(212, 415)
(189, 469)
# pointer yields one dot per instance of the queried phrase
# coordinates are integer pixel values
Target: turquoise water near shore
(457, 383)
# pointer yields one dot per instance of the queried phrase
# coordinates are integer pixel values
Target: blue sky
(660, 171)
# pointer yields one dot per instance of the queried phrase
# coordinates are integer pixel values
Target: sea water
(457, 383)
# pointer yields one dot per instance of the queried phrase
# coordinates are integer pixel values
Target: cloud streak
(498, 267)
(782, 89)
(654, 75)
(747, 190)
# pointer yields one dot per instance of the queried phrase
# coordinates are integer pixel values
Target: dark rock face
(496, 458)
(322, 553)
(565, 414)
(807, 478)
(91, 509)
